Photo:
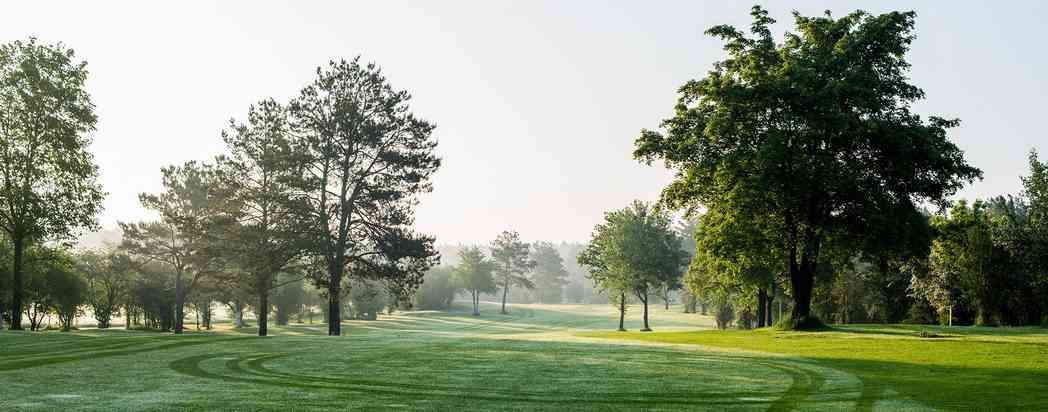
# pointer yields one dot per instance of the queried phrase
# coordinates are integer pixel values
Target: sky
(537, 103)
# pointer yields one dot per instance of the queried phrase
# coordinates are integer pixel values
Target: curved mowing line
(80, 347)
(32, 363)
(805, 383)
(259, 374)
(256, 366)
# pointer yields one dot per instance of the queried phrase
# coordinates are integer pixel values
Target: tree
(633, 251)
(368, 298)
(474, 273)
(68, 291)
(368, 159)
(188, 236)
(512, 262)
(109, 276)
(1035, 256)
(53, 287)
(601, 259)
(152, 293)
(549, 274)
(438, 289)
(262, 177)
(810, 140)
(5, 277)
(48, 185)
(288, 298)
(686, 231)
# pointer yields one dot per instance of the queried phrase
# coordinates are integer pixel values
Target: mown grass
(421, 360)
(540, 357)
(963, 368)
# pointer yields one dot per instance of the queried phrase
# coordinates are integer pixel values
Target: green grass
(960, 368)
(540, 357)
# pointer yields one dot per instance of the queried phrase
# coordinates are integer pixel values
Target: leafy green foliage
(810, 141)
(109, 276)
(261, 180)
(474, 273)
(633, 251)
(48, 186)
(153, 293)
(512, 259)
(187, 238)
(367, 160)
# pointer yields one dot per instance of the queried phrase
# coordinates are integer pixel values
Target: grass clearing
(959, 368)
(540, 357)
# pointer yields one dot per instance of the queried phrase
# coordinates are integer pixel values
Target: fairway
(551, 357)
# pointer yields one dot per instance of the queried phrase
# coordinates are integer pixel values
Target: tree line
(509, 264)
(319, 188)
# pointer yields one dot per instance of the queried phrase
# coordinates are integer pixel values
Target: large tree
(473, 273)
(262, 177)
(188, 238)
(48, 185)
(513, 262)
(368, 160)
(809, 139)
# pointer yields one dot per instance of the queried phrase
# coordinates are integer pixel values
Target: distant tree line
(538, 269)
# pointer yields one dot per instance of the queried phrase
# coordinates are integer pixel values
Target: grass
(540, 357)
(939, 367)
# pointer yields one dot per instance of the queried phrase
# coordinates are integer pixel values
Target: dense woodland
(806, 191)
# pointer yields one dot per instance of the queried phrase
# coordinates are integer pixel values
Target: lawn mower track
(520, 332)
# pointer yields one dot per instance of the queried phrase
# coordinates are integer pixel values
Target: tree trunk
(622, 312)
(263, 312)
(180, 302)
(762, 308)
(334, 305)
(1, 315)
(644, 300)
(768, 305)
(505, 291)
(17, 296)
(666, 297)
(802, 276)
(476, 302)
(207, 315)
(238, 314)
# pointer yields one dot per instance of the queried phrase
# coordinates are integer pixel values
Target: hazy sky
(537, 103)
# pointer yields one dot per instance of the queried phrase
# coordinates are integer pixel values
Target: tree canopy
(810, 140)
(512, 259)
(634, 250)
(368, 157)
(48, 186)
